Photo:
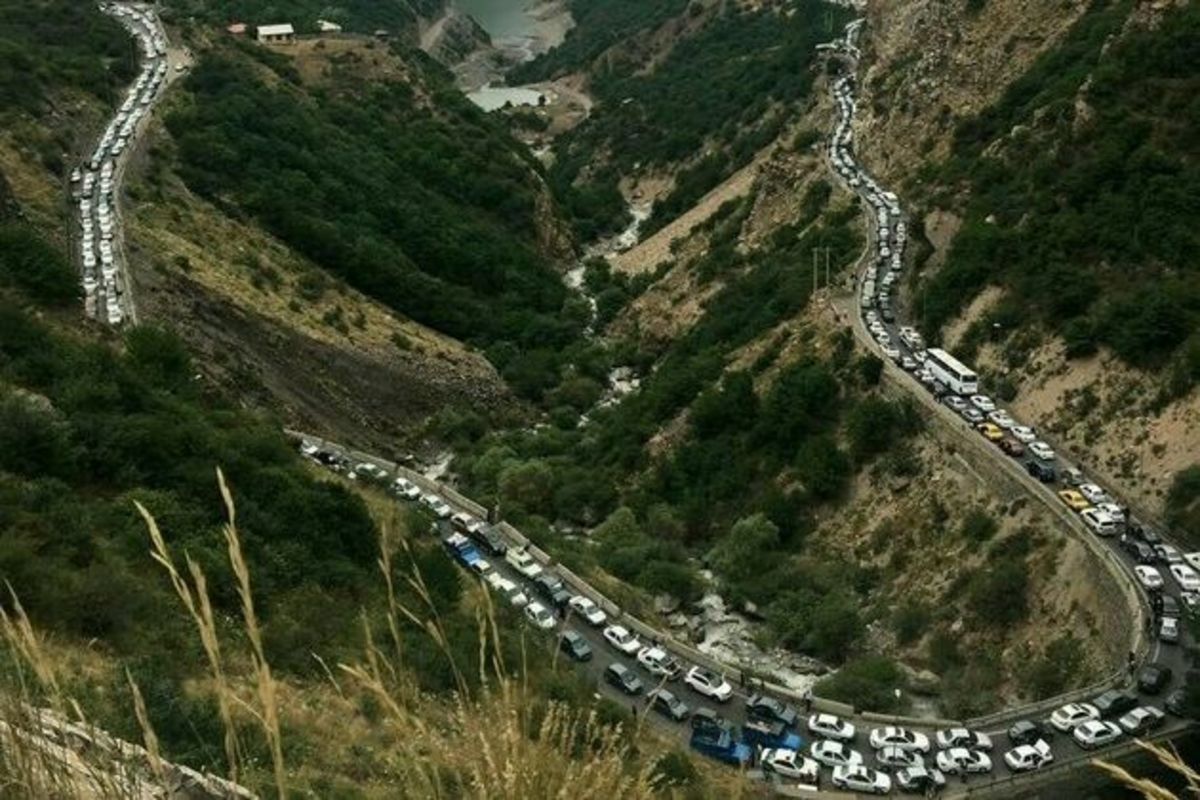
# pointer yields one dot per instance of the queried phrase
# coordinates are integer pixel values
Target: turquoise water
(502, 19)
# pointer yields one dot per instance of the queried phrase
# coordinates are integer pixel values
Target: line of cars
(93, 183)
(1115, 714)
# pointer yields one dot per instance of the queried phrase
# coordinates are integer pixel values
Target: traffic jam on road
(1142, 550)
(762, 734)
(93, 183)
(769, 737)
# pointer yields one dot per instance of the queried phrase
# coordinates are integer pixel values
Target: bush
(978, 526)
(869, 683)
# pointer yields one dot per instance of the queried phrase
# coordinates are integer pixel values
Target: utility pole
(827, 250)
(814, 269)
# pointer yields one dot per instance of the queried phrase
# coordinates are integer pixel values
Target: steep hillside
(686, 94)
(252, 642)
(331, 260)
(1058, 185)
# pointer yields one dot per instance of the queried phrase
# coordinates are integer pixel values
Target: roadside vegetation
(725, 88)
(314, 642)
(1085, 212)
(430, 209)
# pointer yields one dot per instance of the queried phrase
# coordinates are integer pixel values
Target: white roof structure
(285, 29)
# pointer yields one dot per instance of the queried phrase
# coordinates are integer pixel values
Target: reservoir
(506, 21)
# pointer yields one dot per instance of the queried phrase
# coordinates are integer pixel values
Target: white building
(276, 34)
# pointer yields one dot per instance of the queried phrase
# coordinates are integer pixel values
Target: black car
(705, 719)
(769, 709)
(887, 314)
(575, 646)
(490, 540)
(1149, 536)
(1142, 553)
(668, 705)
(1153, 678)
(920, 780)
(1041, 470)
(1027, 731)
(1168, 607)
(623, 678)
(1114, 703)
(546, 584)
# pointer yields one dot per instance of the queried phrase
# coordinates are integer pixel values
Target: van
(1099, 521)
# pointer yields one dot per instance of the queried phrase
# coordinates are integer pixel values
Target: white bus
(950, 371)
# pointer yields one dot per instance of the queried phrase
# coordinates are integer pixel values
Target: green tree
(746, 550)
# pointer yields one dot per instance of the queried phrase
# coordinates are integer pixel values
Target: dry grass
(1169, 757)
(501, 741)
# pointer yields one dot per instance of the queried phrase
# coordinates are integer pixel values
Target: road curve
(108, 298)
(887, 237)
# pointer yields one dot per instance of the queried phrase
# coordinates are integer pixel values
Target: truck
(462, 549)
(715, 738)
(760, 733)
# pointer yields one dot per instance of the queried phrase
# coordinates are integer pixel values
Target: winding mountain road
(109, 298)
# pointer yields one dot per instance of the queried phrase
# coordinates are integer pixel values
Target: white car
(1141, 720)
(1042, 450)
(948, 738)
(1149, 577)
(622, 639)
(1096, 733)
(1093, 493)
(437, 505)
(899, 737)
(1113, 510)
(659, 663)
(983, 403)
(1186, 577)
(899, 758)
(1028, 757)
(584, 607)
(1169, 554)
(958, 760)
(789, 764)
(1168, 630)
(860, 779)
(709, 684)
(1071, 715)
(372, 471)
(1024, 434)
(1100, 523)
(1193, 559)
(405, 488)
(835, 754)
(828, 726)
(1002, 418)
(540, 616)
(513, 593)
(482, 568)
(523, 563)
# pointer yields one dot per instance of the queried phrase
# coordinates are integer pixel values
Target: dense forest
(50, 46)
(1086, 212)
(400, 187)
(723, 90)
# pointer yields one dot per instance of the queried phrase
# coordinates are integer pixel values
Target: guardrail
(1003, 786)
(1140, 644)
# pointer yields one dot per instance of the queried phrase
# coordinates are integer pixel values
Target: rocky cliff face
(929, 63)
(451, 36)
